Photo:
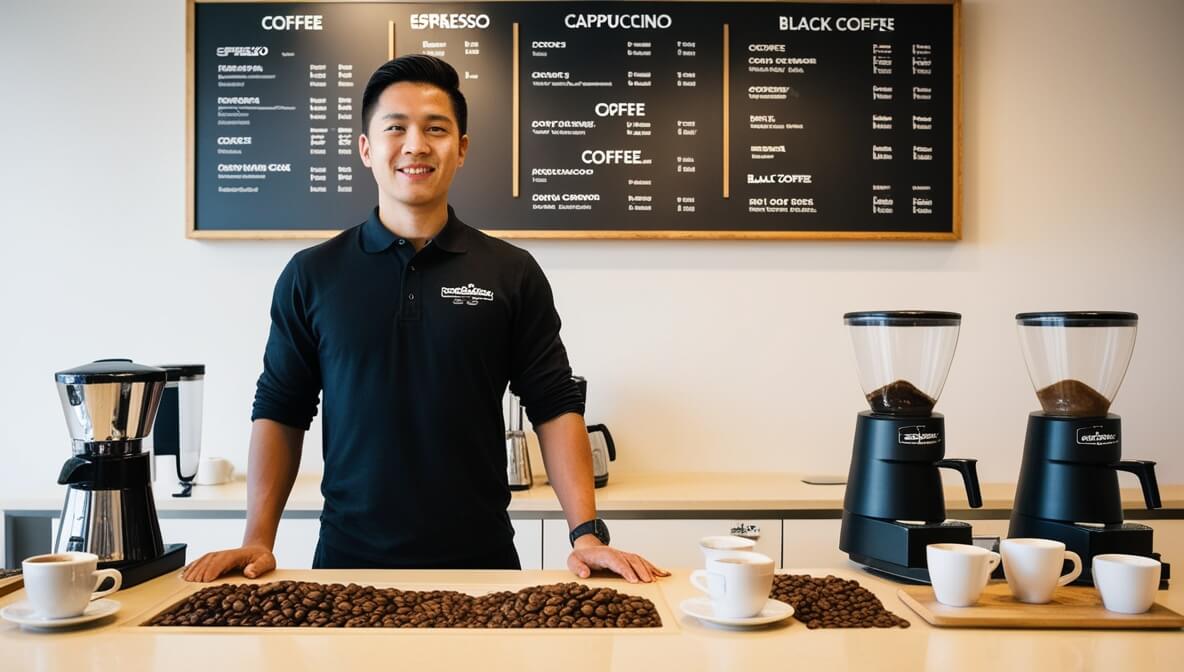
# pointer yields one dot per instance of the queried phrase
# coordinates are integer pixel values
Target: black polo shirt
(413, 352)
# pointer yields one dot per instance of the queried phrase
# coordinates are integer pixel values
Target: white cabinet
(202, 535)
(666, 543)
(528, 540)
(810, 544)
(296, 539)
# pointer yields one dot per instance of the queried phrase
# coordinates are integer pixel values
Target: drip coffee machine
(110, 406)
(894, 506)
(1068, 485)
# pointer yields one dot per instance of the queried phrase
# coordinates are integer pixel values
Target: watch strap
(595, 527)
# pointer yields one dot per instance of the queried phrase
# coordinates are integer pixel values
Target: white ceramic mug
(719, 546)
(959, 572)
(60, 585)
(738, 583)
(214, 471)
(1127, 582)
(1033, 568)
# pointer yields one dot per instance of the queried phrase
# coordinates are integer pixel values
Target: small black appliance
(1068, 485)
(894, 505)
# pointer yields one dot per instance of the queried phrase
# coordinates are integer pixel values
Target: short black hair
(417, 68)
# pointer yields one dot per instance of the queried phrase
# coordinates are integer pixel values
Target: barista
(411, 324)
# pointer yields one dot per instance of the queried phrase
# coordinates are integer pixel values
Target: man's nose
(415, 142)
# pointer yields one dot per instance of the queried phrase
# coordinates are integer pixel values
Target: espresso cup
(959, 572)
(214, 471)
(738, 583)
(1127, 582)
(60, 585)
(1033, 568)
(719, 546)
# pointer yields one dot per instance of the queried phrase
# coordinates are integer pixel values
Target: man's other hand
(255, 561)
(590, 555)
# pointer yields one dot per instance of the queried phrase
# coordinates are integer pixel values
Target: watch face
(600, 530)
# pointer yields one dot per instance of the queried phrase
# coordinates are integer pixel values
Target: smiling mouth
(416, 171)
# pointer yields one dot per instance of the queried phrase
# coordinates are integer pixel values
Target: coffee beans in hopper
(831, 602)
(316, 605)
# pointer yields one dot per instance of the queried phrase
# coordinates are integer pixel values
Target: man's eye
(394, 128)
(437, 129)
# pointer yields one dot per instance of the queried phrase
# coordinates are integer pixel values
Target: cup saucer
(23, 614)
(700, 608)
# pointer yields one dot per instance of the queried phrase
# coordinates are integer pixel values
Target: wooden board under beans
(831, 602)
(318, 605)
(819, 602)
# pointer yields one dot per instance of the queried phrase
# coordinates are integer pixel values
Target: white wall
(725, 356)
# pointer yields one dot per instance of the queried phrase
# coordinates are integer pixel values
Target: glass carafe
(1077, 360)
(903, 357)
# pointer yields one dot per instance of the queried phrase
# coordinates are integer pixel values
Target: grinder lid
(110, 371)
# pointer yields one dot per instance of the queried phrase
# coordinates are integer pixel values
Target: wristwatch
(595, 527)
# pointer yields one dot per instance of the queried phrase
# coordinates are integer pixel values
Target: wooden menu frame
(954, 234)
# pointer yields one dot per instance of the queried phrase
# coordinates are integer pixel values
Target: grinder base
(1088, 541)
(897, 548)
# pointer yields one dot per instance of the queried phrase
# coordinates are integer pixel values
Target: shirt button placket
(411, 300)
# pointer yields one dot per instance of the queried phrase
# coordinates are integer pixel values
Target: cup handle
(1073, 573)
(700, 575)
(115, 576)
(992, 563)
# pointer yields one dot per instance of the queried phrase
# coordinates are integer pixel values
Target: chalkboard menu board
(592, 119)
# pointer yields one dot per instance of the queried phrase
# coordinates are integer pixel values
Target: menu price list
(845, 116)
(622, 115)
(840, 115)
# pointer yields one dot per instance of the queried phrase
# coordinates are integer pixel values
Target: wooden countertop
(679, 491)
(682, 643)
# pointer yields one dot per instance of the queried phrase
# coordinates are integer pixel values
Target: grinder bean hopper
(895, 505)
(1068, 485)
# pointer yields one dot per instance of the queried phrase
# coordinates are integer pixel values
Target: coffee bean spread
(831, 602)
(901, 397)
(316, 605)
(1073, 398)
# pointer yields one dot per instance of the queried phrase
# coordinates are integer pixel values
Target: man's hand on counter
(589, 554)
(255, 561)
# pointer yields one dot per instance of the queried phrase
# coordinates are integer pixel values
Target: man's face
(413, 144)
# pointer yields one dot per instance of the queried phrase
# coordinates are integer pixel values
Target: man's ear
(364, 149)
(462, 148)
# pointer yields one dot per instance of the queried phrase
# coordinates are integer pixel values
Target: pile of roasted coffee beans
(831, 602)
(318, 605)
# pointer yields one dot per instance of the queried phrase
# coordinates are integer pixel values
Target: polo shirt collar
(377, 238)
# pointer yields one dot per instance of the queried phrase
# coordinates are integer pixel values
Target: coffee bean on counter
(831, 602)
(307, 604)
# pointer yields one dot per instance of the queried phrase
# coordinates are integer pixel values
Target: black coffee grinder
(894, 506)
(1068, 486)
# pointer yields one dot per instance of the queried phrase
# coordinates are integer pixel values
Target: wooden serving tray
(1071, 607)
(11, 584)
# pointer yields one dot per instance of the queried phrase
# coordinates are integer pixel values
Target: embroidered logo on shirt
(468, 294)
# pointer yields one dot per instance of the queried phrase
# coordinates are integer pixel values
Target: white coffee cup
(719, 546)
(60, 585)
(1127, 582)
(214, 471)
(1033, 568)
(959, 572)
(738, 583)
